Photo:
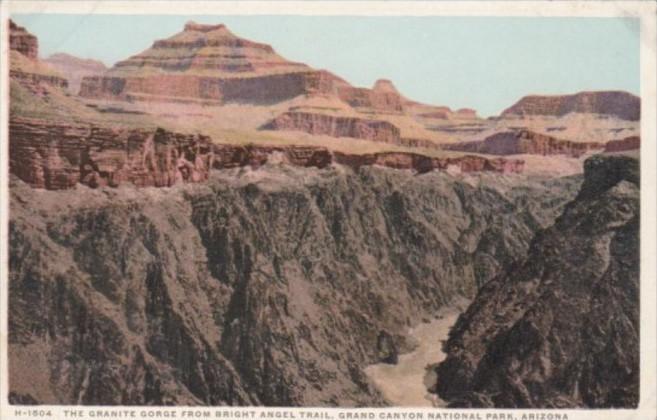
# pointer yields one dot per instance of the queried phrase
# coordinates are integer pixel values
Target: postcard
(328, 210)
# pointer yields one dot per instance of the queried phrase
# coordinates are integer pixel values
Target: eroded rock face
(22, 41)
(265, 287)
(211, 90)
(336, 126)
(526, 142)
(617, 103)
(24, 65)
(628, 143)
(383, 98)
(560, 328)
(59, 155)
(208, 64)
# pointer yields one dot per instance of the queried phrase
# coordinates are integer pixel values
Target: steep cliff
(22, 41)
(628, 143)
(615, 103)
(257, 287)
(525, 142)
(561, 327)
(52, 155)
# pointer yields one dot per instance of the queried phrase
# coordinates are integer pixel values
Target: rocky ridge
(561, 327)
(615, 103)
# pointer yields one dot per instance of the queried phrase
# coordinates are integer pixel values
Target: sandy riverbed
(405, 384)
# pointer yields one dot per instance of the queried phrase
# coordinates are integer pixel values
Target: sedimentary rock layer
(628, 143)
(561, 327)
(25, 67)
(525, 142)
(58, 155)
(264, 89)
(336, 126)
(617, 103)
(51, 155)
(268, 287)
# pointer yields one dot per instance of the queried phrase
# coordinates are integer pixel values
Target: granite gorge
(264, 287)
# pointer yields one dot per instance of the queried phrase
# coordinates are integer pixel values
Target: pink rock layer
(525, 142)
(59, 156)
(628, 143)
(56, 156)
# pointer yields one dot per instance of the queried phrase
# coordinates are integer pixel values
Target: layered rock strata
(24, 65)
(53, 155)
(254, 288)
(59, 155)
(208, 64)
(561, 327)
(22, 41)
(264, 89)
(336, 126)
(525, 142)
(628, 143)
(615, 103)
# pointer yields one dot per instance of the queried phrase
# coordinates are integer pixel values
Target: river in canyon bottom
(406, 384)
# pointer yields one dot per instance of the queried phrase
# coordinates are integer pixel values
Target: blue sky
(485, 63)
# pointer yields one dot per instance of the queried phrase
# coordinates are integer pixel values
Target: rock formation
(22, 41)
(56, 156)
(253, 288)
(525, 142)
(25, 67)
(337, 126)
(614, 103)
(75, 68)
(208, 64)
(59, 156)
(628, 143)
(561, 327)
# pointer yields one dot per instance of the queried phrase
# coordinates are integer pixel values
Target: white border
(645, 10)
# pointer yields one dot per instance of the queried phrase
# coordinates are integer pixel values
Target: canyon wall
(51, 155)
(268, 287)
(25, 66)
(22, 41)
(59, 155)
(628, 143)
(561, 327)
(525, 142)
